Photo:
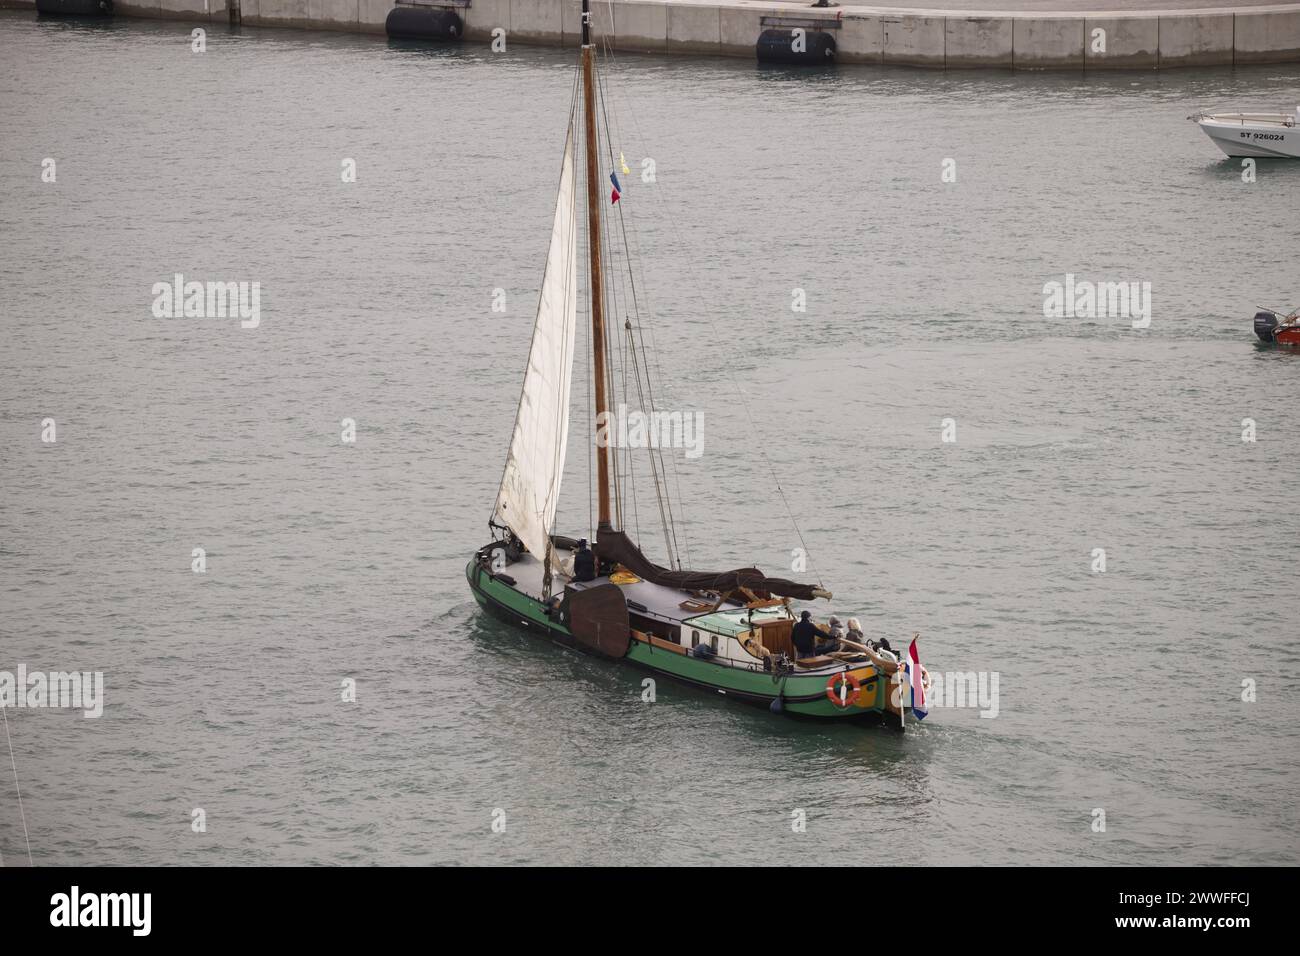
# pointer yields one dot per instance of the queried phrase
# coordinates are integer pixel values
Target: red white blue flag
(919, 709)
(618, 190)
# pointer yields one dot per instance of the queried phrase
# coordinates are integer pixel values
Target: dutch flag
(918, 684)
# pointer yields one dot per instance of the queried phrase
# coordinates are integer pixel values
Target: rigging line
(653, 367)
(627, 451)
(744, 402)
(669, 541)
(26, 836)
(672, 460)
(630, 459)
(661, 197)
(618, 308)
(609, 396)
(622, 454)
(630, 463)
(662, 469)
(634, 263)
(607, 447)
(661, 498)
(623, 462)
(614, 292)
(586, 374)
(629, 347)
(654, 454)
(608, 281)
(611, 378)
(664, 498)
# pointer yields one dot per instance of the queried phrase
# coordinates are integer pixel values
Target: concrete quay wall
(952, 39)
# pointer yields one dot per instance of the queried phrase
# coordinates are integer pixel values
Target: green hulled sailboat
(729, 632)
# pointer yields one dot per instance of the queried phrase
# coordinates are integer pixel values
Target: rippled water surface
(1118, 690)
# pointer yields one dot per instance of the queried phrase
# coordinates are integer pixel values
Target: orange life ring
(832, 690)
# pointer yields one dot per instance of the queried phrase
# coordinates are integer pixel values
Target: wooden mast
(597, 280)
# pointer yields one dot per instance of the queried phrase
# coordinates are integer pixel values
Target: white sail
(530, 486)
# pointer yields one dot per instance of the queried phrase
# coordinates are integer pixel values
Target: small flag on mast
(623, 163)
(618, 191)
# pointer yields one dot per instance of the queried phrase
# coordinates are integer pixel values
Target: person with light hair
(855, 632)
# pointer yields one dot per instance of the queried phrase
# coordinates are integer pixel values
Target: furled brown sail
(616, 547)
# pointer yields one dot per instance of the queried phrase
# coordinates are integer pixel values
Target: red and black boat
(1274, 328)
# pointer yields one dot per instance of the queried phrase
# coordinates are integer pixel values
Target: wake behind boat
(735, 633)
(1253, 134)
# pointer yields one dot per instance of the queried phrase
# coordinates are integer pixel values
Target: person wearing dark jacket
(584, 562)
(805, 634)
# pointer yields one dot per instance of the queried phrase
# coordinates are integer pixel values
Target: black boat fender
(778, 702)
(780, 46)
(424, 23)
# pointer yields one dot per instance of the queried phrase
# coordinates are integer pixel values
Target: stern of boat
(1270, 330)
(868, 694)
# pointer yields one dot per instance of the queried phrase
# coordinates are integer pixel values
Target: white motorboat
(1253, 134)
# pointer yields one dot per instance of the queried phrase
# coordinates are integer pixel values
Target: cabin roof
(657, 600)
(734, 620)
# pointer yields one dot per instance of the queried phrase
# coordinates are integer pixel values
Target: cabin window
(695, 638)
(713, 642)
(660, 629)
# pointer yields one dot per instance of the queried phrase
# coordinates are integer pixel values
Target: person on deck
(836, 630)
(855, 632)
(584, 562)
(805, 634)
